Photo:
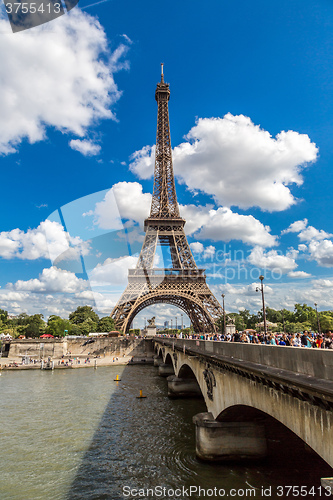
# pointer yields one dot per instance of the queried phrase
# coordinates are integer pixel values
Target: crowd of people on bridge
(304, 339)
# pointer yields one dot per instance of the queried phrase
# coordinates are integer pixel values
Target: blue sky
(77, 100)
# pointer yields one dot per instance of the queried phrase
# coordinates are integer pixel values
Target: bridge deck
(300, 380)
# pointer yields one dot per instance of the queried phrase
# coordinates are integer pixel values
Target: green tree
(240, 320)
(273, 316)
(135, 331)
(56, 326)
(326, 322)
(303, 313)
(83, 313)
(105, 324)
(35, 325)
(88, 326)
(3, 316)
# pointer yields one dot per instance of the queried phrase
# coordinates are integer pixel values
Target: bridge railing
(316, 363)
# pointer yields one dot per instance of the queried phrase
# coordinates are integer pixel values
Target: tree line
(303, 317)
(82, 321)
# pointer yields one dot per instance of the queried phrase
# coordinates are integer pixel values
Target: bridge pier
(223, 441)
(157, 361)
(164, 370)
(183, 387)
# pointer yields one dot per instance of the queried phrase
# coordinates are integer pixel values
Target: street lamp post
(182, 321)
(224, 326)
(171, 325)
(176, 323)
(319, 330)
(261, 289)
(284, 325)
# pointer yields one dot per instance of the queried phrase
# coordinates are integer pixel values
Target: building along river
(78, 434)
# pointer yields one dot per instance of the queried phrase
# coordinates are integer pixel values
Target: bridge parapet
(316, 363)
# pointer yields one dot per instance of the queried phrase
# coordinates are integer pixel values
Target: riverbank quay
(91, 363)
(77, 353)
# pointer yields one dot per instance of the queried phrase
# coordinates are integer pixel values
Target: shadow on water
(148, 443)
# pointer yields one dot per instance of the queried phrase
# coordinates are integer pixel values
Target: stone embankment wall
(56, 348)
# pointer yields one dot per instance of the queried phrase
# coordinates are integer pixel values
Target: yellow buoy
(117, 379)
(141, 395)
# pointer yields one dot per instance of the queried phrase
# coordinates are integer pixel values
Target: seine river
(77, 434)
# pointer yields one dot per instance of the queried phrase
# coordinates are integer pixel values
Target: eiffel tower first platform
(182, 284)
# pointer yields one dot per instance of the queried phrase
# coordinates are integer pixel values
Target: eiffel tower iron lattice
(182, 284)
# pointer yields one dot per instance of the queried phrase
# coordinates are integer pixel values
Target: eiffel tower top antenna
(164, 201)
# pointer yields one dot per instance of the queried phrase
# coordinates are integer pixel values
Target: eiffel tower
(183, 284)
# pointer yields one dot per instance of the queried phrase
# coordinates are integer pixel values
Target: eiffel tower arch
(182, 284)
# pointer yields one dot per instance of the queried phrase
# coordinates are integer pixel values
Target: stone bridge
(242, 384)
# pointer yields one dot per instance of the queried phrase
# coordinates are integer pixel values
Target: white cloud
(133, 204)
(302, 247)
(142, 162)
(60, 77)
(201, 252)
(250, 290)
(51, 280)
(323, 283)
(237, 162)
(87, 148)
(273, 260)
(298, 274)
(113, 271)
(322, 252)
(48, 240)
(305, 232)
(197, 247)
(224, 225)
(296, 227)
(125, 200)
(195, 216)
(311, 233)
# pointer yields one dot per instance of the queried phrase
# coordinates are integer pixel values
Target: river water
(78, 434)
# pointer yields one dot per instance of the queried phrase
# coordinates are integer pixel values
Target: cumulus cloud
(273, 260)
(48, 241)
(311, 233)
(51, 280)
(132, 202)
(85, 147)
(125, 200)
(250, 289)
(302, 247)
(201, 252)
(305, 232)
(61, 78)
(296, 227)
(237, 162)
(298, 274)
(112, 271)
(197, 247)
(323, 283)
(224, 225)
(321, 252)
